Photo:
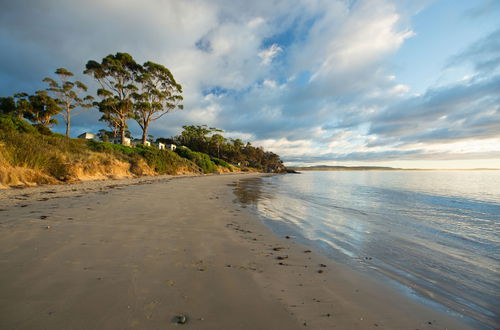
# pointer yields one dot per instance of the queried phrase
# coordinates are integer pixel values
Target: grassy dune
(28, 157)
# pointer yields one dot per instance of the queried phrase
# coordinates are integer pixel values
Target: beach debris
(368, 258)
(180, 319)
(320, 271)
(23, 205)
(48, 227)
(288, 237)
(278, 248)
(282, 257)
(307, 251)
(43, 217)
(322, 265)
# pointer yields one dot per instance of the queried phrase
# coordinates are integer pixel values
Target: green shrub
(161, 161)
(110, 147)
(12, 123)
(220, 162)
(164, 161)
(200, 159)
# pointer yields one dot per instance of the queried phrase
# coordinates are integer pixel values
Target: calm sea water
(436, 234)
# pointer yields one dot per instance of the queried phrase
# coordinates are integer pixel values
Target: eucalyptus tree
(68, 95)
(41, 109)
(158, 95)
(116, 75)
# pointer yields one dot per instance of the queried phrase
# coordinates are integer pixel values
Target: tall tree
(116, 74)
(158, 95)
(67, 95)
(40, 109)
(218, 140)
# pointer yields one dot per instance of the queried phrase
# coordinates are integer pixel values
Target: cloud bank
(311, 81)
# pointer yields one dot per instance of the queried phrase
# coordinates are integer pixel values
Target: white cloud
(269, 54)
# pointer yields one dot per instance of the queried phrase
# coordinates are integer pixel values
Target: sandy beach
(137, 253)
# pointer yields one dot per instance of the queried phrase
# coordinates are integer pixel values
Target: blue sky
(379, 82)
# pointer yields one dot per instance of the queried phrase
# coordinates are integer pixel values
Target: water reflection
(249, 191)
(436, 232)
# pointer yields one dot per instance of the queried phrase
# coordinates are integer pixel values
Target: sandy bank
(134, 254)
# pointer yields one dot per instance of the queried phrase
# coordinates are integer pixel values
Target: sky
(413, 84)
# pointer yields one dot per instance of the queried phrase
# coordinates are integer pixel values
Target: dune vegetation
(30, 157)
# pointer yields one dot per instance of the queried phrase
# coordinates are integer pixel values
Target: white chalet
(87, 136)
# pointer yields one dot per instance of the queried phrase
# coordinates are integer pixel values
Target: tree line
(127, 90)
(208, 140)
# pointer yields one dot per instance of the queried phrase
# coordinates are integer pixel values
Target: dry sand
(133, 254)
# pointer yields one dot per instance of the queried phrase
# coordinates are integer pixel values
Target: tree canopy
(116, 75)
(158, 95)
(67, 95)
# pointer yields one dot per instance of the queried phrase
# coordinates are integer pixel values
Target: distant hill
(344, 168)
(377, 168)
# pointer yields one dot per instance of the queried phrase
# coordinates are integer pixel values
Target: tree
(218, 140)
(67, 95)
(116, 74)
(158, 95)
(40, 109)
(7, 105)
(15, 105)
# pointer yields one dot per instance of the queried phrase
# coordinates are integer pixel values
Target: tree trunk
(145, 132)
(122, 135)
(123, 124)
(68, 124)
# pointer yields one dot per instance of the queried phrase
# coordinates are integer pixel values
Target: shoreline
(136, 254)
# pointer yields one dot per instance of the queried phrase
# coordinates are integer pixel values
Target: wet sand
(134, 254)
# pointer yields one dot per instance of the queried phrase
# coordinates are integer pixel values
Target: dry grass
(30, 158)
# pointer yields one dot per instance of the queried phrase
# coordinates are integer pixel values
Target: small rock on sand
(180, 319)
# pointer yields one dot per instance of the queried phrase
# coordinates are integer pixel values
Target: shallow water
(433, 232)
